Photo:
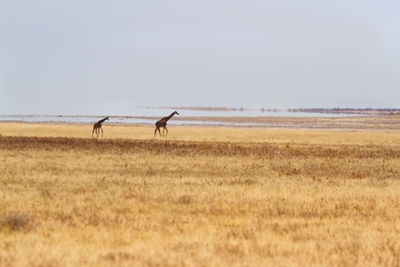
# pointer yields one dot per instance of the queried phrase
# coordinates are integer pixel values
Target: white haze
(106, 57)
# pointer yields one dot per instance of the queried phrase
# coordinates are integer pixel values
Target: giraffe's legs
(101, 132)
(155, 131)
(93, 131)
(96, 131)
(166, 131)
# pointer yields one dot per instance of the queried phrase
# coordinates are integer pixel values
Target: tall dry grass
(244, 197)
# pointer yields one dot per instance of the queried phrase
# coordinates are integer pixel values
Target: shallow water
(132, 119)
(160, 112)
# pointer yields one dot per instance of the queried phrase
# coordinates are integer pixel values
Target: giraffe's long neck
(170, 116)
(101, 121)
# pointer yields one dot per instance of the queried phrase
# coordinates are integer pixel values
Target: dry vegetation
(206, 196)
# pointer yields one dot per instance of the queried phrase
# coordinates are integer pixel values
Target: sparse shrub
(185, 199)
(15, 221)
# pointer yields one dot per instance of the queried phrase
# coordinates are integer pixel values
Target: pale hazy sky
(89, 57)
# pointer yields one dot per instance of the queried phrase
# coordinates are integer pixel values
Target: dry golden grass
(219, 134)
(206, 196)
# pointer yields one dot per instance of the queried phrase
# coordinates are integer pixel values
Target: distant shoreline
(362, 111)
(366, 111)
(367, 122)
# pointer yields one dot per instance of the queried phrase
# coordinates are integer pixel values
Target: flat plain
(206, 196)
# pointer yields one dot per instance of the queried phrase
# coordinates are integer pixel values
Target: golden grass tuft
(15, 221)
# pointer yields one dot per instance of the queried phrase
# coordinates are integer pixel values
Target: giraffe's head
(176, 112)
(107, 118)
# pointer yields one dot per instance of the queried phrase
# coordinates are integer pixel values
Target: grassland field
(206, 196)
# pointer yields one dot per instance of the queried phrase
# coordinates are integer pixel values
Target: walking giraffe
(163, 123)
(97, 127)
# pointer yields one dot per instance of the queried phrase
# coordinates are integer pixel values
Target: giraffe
(163, 123)
(97, 127)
